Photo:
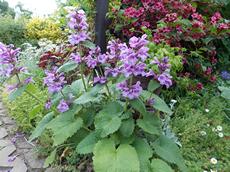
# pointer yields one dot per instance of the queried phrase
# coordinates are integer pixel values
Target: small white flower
(213, 161)
(219, 128)
(213, 170)
(207, 110)
(174, 101)
(203, 133)
(208, 125)
(214, 129)
(205, 171)
(221, 135)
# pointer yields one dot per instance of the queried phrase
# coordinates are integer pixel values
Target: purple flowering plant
(107, 96)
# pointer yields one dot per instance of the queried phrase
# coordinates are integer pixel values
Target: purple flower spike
(63, 106)
(54, 80)
(78, 24)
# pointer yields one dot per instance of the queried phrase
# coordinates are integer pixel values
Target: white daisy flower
(219, 128)
(203, 133)
(213, 161)
(214, 129)
(221, 135)
(207, 110)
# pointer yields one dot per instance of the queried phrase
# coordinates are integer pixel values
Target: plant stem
(83, 80)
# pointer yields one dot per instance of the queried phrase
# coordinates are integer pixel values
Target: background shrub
(38, 28)
(11, 30)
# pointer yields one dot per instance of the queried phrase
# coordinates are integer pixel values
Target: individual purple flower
(162, 64)
(114, 72)
(75, 39)
(130, 92)
(63, 106)
(225, 75)
(165, 79)
(48, 104)
(102, 58)
(100, 80)
(137, 43)
(91, 62)
(133, 69)
(151, 101)
(76, 58)
(115, 47)
(28, 80)
(54, 80)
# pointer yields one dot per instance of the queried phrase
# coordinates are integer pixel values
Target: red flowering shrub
(193, 26)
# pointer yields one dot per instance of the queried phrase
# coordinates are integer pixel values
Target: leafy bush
(38, 28)
(12, 31)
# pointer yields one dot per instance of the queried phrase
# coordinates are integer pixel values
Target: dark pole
(101, 23)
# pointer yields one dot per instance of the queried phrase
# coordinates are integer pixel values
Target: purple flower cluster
(130, 62)
(78, 23)
(8, 60)
(54, 80)
(130, 92)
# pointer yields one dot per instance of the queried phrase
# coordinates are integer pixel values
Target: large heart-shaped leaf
(108, 158)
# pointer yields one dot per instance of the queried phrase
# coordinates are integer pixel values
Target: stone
(6, 151)
(3, 133)
(8, 121)
(23, 144)
(33, 160)
(0, 123)
(19, 166)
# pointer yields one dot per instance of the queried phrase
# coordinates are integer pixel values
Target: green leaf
(138, 105)
(86, 146)
(158, 165)
(159, 104)
(107, 121)
(127, 127)
(90, 96)
(89, 44)
(68, 66)
(108, 158)
(153, 85)
(168, 150)
(16, 93)
(50, 159)
(35, 111)
(65, 126)
(107, 125)
(144, 153)
(41, 126)
(150, 124)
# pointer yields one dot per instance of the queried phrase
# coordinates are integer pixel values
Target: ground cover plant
(156, 101)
